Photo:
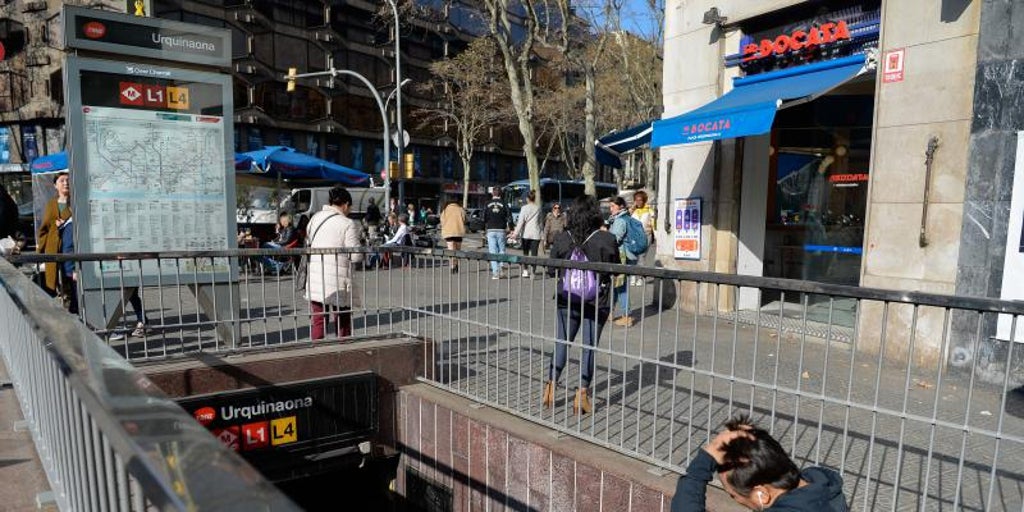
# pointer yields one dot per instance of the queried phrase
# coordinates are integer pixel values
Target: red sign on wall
(892, 65)
(3, 51)
(798, 40)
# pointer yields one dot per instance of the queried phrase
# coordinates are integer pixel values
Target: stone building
(859, 142)
(339, 122)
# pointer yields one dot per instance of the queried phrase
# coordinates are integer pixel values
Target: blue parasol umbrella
(50, 163)
(289, 163)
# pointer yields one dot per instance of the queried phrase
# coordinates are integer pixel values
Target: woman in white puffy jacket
(330, 288)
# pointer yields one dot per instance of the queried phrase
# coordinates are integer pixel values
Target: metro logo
(205, 416)
(228, 436)
(131, 94)
(798, 40)
(94, 30)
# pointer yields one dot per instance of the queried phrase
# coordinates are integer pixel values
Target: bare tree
(473, 97)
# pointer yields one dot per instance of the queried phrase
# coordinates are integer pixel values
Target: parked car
(474, 220)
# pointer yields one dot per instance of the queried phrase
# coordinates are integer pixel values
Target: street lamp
(398, 89)
(394, 93)
(290, 86)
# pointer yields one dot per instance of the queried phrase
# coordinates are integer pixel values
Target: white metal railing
(107, 438)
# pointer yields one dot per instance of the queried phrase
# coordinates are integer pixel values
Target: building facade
(338, 121)
(888, 175)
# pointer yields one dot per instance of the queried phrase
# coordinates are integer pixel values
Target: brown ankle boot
(581, 405)
(548, 399)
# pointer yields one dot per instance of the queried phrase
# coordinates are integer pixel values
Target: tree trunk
(589, 134)
(465, 179)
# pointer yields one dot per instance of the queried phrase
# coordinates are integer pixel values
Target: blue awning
(611, 147)
(749, 108)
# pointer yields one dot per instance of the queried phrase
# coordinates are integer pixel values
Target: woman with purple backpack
(582, 296)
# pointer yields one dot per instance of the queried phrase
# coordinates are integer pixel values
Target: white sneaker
(140, 330)
(117, 336)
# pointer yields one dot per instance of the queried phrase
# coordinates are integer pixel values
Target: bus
(552, 191)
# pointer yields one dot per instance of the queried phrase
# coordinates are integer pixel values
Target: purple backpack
(578, 283)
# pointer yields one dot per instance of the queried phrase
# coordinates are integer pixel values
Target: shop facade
(824, 141)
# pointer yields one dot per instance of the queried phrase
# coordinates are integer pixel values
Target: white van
(304, 202)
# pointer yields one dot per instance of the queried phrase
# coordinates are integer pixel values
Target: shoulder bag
(302, 271)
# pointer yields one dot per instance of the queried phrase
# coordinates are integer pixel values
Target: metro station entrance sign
(150, 159)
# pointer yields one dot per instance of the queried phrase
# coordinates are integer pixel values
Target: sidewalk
(21, 473)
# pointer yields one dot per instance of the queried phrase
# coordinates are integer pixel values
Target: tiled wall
(492, 461)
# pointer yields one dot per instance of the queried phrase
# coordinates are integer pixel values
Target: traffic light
(291, 79)
(410, 165)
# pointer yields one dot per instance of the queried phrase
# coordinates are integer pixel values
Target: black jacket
(497, 216)
(823, 492)
(8, 214)
(286, 236)
(372, 214)
(600, 248)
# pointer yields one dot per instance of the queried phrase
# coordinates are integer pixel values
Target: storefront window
(817, 200)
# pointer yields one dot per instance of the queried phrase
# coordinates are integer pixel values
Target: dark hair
(339, 196)
(58, 175)
(639, 194)
(757, 460)
(583, 217)
(532, 196)
(403, 218)
(620, 202)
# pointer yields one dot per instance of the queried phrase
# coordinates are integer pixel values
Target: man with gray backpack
(632, 242)
(582, 296)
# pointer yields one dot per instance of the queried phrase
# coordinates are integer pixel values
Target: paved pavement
(21, 473)
(904, 438)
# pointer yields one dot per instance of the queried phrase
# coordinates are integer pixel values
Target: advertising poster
(5, 152)
(686, 228)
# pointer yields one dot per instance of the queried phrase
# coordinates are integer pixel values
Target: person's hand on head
(716, 448)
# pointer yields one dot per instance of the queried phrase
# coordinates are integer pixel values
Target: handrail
(107, 437)
(980, 304)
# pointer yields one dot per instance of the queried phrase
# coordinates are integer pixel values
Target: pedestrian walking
(55, 214)
(619, 227)
(528, 228)
(554, 223)
(330, 288)
(133, 296)
(582, 296)
(643, 212)
(497, 221)
(453, 229)
(758, 474)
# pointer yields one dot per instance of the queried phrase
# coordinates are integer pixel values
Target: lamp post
(292, 76)
(398, 88)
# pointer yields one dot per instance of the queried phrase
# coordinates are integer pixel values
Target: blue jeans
(496, 245)
(568, 322)
(622, 292)
(274, 265)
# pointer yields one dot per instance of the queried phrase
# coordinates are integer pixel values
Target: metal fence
(908, 395)
(107, 439)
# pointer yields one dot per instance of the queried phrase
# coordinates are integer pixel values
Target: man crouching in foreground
(757, 473)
